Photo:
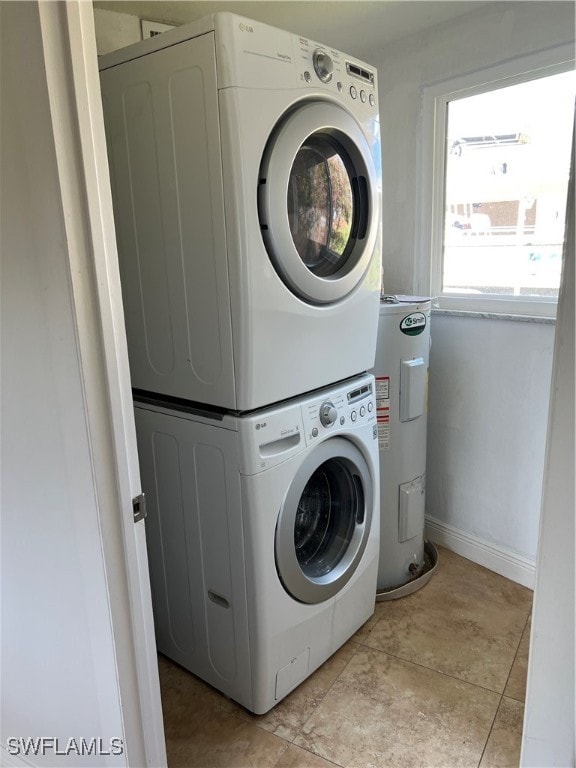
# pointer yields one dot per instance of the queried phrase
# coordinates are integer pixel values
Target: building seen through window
(507, 168)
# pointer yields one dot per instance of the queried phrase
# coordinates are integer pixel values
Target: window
(498, 178)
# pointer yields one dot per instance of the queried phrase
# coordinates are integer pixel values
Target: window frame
(432, 175)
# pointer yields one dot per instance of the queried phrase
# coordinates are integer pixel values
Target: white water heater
(401, 371)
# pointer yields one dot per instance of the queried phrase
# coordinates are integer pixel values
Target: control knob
(323, 65)
(328, 414)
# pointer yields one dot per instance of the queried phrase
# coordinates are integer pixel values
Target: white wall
(489, 379)
(115, 30)
(488, 400)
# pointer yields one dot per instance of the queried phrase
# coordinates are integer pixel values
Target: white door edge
(549, 733)
(74, 92)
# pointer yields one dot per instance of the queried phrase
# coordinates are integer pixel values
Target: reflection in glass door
(321, 205)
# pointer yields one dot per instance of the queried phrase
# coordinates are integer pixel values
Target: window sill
(493, 316)
(505, 307)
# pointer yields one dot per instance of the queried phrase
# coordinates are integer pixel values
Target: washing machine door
(324, 522)
(318, 202)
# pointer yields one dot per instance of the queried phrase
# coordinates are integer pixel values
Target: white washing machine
(245, 168)
(263, 536)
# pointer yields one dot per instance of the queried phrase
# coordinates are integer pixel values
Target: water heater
(401, 371)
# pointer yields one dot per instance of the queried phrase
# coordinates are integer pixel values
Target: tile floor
(433, 679)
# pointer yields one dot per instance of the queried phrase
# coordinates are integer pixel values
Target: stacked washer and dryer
(245, 168)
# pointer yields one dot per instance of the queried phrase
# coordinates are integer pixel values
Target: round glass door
(321, 205)
(324, 522)
(318, 202)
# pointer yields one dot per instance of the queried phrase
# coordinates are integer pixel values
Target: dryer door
(318, 202)
(324, 522)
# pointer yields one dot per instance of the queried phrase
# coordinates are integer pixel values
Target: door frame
(69, 43)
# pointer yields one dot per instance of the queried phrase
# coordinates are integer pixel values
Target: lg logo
(245, 27)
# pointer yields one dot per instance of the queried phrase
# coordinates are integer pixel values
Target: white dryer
(263, 536)
(245, 168)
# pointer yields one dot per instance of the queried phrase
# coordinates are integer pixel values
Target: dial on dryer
(323, 65)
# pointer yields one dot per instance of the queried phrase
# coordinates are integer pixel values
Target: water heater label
(383, 411)
(382, 392)
(414, 324)
(383, 432)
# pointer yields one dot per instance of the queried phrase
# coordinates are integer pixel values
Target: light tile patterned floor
(434, 679)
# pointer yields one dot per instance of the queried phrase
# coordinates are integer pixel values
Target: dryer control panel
(255, 55)
(353, 80)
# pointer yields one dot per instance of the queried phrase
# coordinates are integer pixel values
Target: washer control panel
(350, 407)
(272, 435)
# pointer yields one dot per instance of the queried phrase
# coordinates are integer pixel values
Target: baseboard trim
(513, 566)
